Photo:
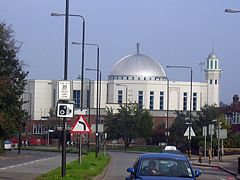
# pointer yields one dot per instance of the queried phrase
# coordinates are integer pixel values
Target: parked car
(152, 166)
(7, 145)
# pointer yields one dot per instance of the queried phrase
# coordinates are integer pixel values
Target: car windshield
(165, 167)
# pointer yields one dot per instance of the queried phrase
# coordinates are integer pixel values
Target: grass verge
(89, 168)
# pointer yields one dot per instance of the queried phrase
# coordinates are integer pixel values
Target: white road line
(31, 162)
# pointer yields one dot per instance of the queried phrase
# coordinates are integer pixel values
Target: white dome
(138, 65)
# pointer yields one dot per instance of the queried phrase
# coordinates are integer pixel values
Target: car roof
(162, 155)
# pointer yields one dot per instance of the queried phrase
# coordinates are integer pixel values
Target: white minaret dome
(138, 65)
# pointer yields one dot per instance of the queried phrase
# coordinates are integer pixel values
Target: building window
(138, 78)
(76, 98)
(194, 101)
(144, 78)
(216, 65)
(161, 100)
(211, 64)
(151, 103)
(39, 129)
(127, 77)
(88, 98)
(216, 81)
(120, 97)
(140, 99)
(54, 98)
(210, 81)
(185, 101)
(132, 78)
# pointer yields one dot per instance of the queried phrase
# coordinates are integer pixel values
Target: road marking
(31, 162)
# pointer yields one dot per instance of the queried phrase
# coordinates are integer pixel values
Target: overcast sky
(173, 32)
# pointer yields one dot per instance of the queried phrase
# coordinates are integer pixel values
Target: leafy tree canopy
(128, 123)
(12, 83)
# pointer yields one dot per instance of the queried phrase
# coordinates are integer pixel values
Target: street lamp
(83, 43)
(190, 111)
(232, 11)
(167, 109)
(98, 100)
(126, 90)
(98, 106)
(63, 172)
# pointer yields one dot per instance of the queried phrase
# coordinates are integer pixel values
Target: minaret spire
(138, 46)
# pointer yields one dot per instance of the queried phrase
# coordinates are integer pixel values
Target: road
(213, 173)
(121, 161)
(29, 164)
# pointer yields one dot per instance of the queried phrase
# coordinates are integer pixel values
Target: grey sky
(174, 32)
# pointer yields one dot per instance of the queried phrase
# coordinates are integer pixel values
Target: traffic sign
(192, 133)
(222, 133)
(64, 90)
(65, 110)
(81, 126)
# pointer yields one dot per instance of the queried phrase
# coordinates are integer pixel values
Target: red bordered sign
(81, 126)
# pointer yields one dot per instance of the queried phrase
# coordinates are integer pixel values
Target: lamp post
(167, 109)
(190, 111)
(98, 107)
(126, 90)
(97, 71)
(232, 11)
(63, 172)
(83, 43)
(218, 137)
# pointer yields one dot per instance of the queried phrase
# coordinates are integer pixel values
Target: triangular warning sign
(81, 126)
(192, 133)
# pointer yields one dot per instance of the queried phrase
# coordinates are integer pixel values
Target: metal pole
(190, 117)
(167, 107)
(126, 95)
(205, 146)
(65, 78)
(218, 140)
(190, 111)
(99, 106)
(82, 76)
(96, 153)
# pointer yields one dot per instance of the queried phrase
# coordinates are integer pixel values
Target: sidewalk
(228, 164)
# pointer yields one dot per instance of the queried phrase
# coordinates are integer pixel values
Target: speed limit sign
(64, 90)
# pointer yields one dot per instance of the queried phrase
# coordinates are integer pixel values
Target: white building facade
(136, 78)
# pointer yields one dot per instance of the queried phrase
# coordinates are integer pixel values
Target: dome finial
(138, 46)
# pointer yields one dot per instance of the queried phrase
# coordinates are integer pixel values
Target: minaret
(212, 77)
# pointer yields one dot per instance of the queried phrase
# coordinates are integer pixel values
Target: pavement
(228, 164)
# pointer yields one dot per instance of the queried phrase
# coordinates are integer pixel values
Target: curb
(218, 166)
(103, 173)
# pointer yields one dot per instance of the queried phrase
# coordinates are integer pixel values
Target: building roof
(138, 65)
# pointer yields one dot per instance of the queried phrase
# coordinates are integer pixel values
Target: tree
(128, 123)
(12, 84)
(177, 131)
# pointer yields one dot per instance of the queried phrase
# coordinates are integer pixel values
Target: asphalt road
(213, 173)
(29, 164)
(121, 161)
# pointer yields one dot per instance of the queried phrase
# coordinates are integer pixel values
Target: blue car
(166, 166)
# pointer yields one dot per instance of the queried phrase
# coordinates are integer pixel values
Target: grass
(89, 168)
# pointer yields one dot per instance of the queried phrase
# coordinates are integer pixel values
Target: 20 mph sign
(64, 90)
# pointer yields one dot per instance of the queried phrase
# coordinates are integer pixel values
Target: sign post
(205, 140)
(80, 127)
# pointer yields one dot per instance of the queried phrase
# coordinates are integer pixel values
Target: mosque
(136, 78)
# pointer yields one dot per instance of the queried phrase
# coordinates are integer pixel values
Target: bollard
(238, 165)
(200, 158)
(209, 159)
